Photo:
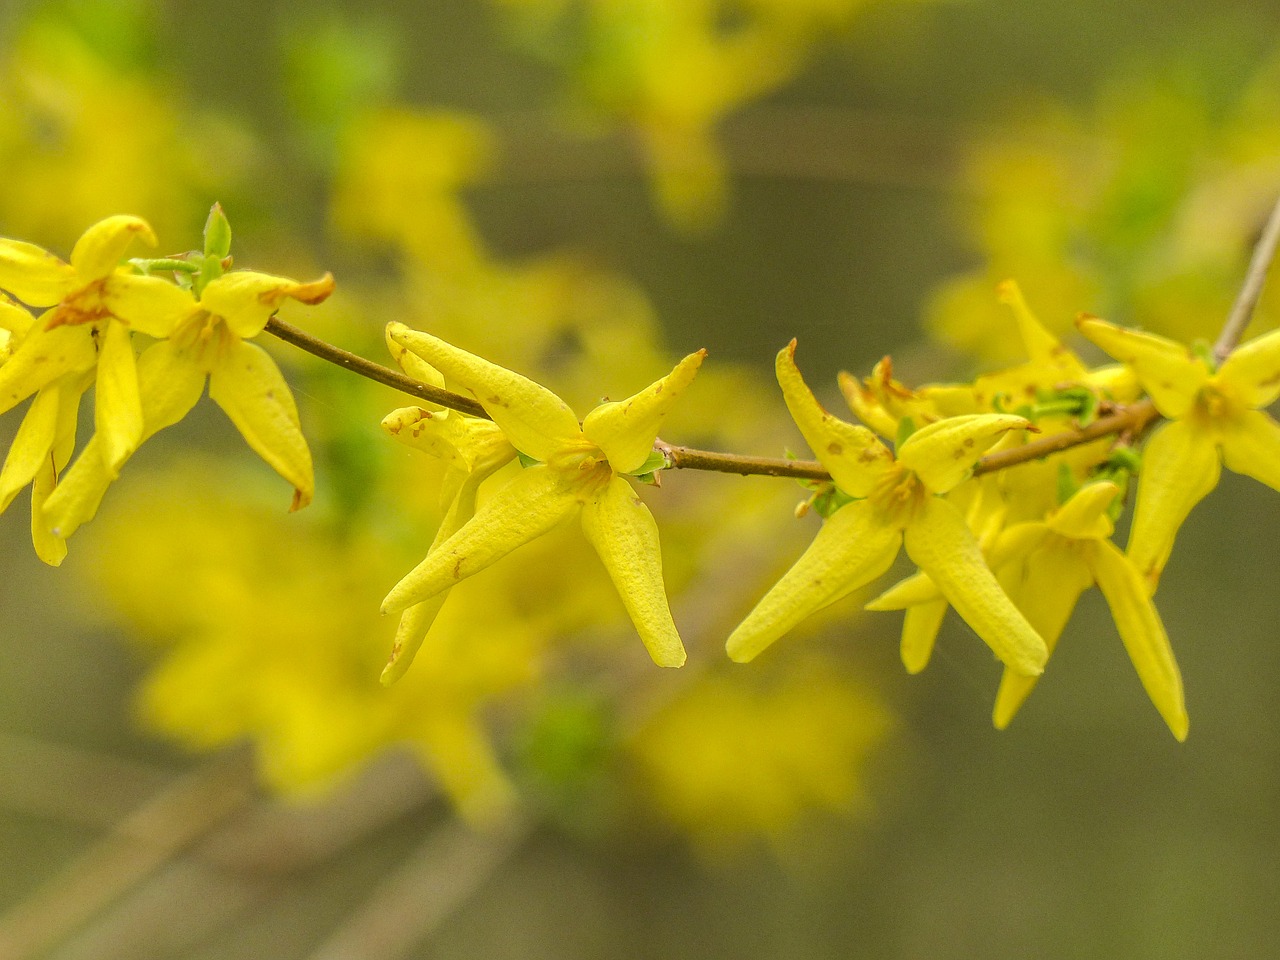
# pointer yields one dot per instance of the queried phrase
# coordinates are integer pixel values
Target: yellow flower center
(898, 494)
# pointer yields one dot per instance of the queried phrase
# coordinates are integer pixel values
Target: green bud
(217, 234)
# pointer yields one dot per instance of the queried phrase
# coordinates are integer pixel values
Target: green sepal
(830, 500)
(526, 460)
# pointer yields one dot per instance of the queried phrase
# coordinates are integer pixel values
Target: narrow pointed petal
(1253, 371)
(34, 275)
(101, 248)
(1084, 516)
(920, 629)
(1014, 543)
(535, 420)
(1043, 348)
(415, 623)
(246, 300)
(49, 547)
(413, 365)
(246, 383)
(909, 592)
(625, 430)
(533, 502)
(1143, 634)
(1046, 587)
(42, 357)
(1180, 465)
(623, 531)
(150, 305)
(939, 543)
(854, 455)
(30, 450)
(943, 453)
(855, 545)
(417, 620)
(117, 407)
(1251, 446)
(78, 494)
(1166, 369)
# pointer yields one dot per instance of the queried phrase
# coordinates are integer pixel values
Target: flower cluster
(146, 335)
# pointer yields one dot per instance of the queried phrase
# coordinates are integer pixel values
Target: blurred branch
(446, 870)
(1256, 277)
(135, 847)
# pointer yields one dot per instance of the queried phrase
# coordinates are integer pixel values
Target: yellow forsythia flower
(897, 504)
(208, 343)
(580, 471)
(1216, 416)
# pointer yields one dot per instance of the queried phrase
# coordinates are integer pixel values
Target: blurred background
(196, 759)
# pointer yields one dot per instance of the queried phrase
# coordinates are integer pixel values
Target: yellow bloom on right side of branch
(1216, 417)
(897, 503)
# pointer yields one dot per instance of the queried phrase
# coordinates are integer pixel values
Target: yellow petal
(1043, 348)
(150, 305)
(50, 548)
(1046, 587)
(535, 420)
(942, 454)
(920, 629)
(854, 456)
(529, 505)
(1180, 465)
(1014, 543)
(1251, 446)
(117, 407)
(34, 275)
(75, 500)
(246, 300)
(1167, 370)
(31, 445)
(42, 357)
(413, 365)
(913, 590)
(1253, 370)
(625, 430)
(1143, 634)
(170, 382)
(855, 545)
(939, 543)
(16, 319)
(101, 248)
(1084, 515)
(621, 528)
(416, 621)
(246, 383)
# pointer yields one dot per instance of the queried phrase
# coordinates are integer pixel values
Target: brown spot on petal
(835, 448)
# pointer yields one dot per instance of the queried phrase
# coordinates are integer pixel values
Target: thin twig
(1251, 291)
(1132, 419)
(373, 371)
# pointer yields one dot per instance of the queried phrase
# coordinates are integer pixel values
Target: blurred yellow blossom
(736, 757)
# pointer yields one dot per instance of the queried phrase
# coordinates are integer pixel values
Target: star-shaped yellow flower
(580, 470)
(94, 305)
(1216, 418)
(897, 503)
(208, 343)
